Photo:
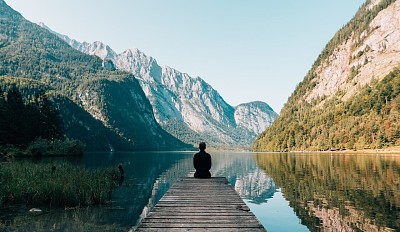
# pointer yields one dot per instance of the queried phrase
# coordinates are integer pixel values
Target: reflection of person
(202, 162)
(121, 174)
(121, 171)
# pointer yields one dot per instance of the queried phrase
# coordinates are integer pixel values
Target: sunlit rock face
(371, 55)
(254, 116)
(187, 107)
(336, 103)
(100, 106)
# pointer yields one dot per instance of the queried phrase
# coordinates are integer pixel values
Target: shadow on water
(338, 192)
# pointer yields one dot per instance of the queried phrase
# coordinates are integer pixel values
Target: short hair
(202, 146)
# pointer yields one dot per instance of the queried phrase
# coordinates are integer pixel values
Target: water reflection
(147, 178)
(339, 192)
(243, 174)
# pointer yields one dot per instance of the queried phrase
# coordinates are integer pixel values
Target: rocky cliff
(97, 101)
(362, 57)
(186, 107)
(349, 98)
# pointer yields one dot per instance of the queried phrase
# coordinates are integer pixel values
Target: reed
(57, 184)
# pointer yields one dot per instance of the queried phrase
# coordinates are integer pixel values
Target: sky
(256, 50)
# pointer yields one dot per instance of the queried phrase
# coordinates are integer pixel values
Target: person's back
(202, 162)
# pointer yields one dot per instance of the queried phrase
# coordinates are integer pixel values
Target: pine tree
(14, 117)
(2, 117)
(50, 123)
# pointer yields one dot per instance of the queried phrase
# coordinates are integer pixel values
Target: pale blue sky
(247, 50)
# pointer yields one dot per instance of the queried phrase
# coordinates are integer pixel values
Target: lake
(286, 191)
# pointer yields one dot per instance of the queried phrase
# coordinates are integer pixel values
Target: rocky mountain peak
(142, 66)
(187, 107)
(255, 116)
(104, 109)
(99, 49)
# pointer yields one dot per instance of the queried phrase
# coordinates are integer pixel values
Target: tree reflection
(340, 192)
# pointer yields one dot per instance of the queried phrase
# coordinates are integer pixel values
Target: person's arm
(195, 162)
(209, 163)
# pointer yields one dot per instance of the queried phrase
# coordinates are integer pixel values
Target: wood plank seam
(201, 205)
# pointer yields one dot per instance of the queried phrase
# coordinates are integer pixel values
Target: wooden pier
(201, 205)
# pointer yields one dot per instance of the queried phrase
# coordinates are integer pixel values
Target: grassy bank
(58, 184)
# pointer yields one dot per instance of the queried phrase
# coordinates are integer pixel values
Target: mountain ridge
(93, 91)
(181, 102)
(348, 99)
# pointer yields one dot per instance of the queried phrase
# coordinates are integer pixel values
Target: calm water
(287, 192)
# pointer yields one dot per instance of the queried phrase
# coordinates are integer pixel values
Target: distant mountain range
(104, 108)
(351, 96)
(188, 108)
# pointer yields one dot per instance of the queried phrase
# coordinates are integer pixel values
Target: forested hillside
(95, 102)
(350, 97)
(187, 107)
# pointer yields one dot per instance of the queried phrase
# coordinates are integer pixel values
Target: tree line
(21, 122)
(368, 120)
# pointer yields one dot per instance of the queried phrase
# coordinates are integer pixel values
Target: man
(202, 162)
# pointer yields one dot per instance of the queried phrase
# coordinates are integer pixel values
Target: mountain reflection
(148, 176)
(243, 174)
(339, 192)
(239, 168)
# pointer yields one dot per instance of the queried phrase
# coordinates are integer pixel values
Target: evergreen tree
(50, 123)
(2, 117)
(21, 123)
(14, 117)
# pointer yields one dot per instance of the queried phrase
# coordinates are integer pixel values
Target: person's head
(202, 146)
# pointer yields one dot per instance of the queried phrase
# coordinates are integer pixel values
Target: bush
(67, 147)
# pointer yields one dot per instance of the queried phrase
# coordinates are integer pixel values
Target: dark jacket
(202, 164)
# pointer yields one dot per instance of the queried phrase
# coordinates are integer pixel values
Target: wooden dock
(201, 205)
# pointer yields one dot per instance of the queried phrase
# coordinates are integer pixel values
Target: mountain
(336, 193)
(105, 108)
(187, 107)
(350, 97)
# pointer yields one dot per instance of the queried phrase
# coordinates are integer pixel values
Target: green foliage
(362, 187)
(353, 29)
(129, 114)
(369, 119)
(21, 123)
(180, 130)
(31, 126)
(44, 147)
(106, 109)
(58, 184)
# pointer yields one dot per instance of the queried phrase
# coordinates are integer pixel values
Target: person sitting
(202, 162)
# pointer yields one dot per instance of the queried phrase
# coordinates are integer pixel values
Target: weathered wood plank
(201, 205)
(201, 217)
(188, 214)
(202, 225)
(201, 229)
(228, 220)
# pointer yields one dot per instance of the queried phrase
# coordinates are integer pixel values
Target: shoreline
(389, 150)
